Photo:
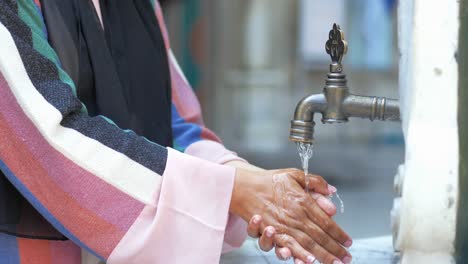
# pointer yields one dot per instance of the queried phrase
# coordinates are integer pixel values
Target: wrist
(241, 194)
(243, 165)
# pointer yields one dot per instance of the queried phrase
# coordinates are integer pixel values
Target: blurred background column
(252, 71)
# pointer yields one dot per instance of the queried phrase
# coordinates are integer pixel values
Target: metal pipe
(372, 108)
(338, 111)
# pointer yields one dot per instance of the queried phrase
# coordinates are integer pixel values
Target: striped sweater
(114, 194)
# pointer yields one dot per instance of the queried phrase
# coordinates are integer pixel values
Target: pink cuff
(236, 233)
(189, 223)
(212, 151)
(236, 229)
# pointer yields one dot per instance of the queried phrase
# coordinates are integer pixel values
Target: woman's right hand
(266, 236)
(300, 224)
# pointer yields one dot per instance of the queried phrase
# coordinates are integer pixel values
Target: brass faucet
(336, 103)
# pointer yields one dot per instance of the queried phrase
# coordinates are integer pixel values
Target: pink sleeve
(236, 229)
(189, 222)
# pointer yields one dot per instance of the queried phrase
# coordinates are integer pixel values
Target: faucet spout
(302, 126)
(305, 109)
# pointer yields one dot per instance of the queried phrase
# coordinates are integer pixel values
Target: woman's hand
(300, 224)
(266, 236)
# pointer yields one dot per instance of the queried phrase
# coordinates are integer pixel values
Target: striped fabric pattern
(36, 105)
(37, 251)
(90, 179)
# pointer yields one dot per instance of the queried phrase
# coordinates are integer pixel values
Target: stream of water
(306, 151)
(341, 201)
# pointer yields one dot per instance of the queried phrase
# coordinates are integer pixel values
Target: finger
(324, 203)
(298, 261)
(332, 189)
(253, 229)
(313, 235)
(318, 236)
(314, 183)
(326, 258)
(295, 248)
(318, 184)
(322, 220)
(266, 242)
(298, 176)
(283, 253)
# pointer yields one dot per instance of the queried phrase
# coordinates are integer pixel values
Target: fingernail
(310, 259)
(284, 254)
(332, 188)
(269, 232)
(337, 262)
(348, 243)
(325, 204)
(347, 259)
(256, 220)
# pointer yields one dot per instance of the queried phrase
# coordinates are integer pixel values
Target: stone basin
(364, 251)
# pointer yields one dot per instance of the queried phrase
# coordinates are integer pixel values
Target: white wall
(428, 38)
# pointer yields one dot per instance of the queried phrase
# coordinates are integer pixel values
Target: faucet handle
(336, 45)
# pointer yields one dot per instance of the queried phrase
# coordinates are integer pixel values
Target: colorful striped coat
(114, 194)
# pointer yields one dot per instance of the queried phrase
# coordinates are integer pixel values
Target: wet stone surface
(364, 251)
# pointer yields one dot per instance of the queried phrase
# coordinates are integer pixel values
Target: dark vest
(121, 73)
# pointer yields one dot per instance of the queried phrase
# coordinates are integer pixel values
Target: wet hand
(299, 222)
(266, 236)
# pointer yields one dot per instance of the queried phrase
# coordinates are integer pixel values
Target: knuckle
(318, 237)
(327, 226)
(302, 239)
(280, 229)
(281, 239)
(308, 242)
(321, 239)
(289, 242)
